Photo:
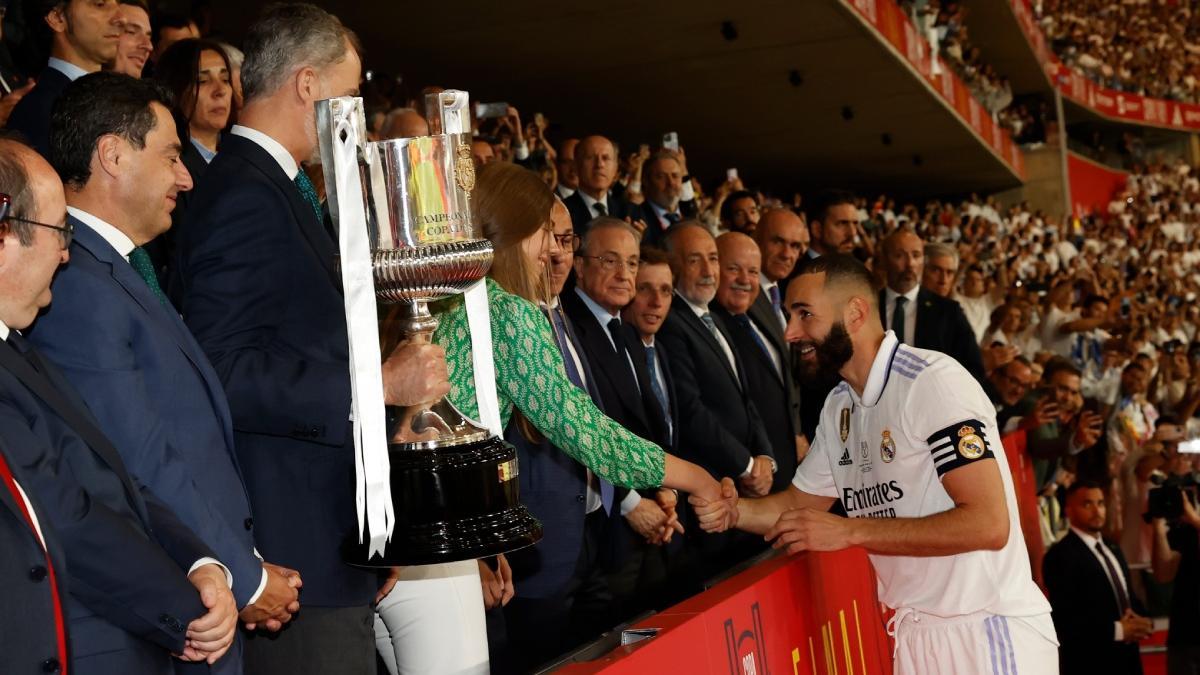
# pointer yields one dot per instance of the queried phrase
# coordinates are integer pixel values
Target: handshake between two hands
(717, 507)
(210, 635)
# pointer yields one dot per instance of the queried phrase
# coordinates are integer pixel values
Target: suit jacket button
(580, 498)
(51, 666)
(37, 573)
(164, 619)
(249, 523)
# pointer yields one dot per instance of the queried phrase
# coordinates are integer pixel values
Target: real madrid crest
(887, 447)
(970, 445)
(464, 169)
(844, 427)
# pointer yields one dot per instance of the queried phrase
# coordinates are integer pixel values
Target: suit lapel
(925, 331)
(611, 364)
(763, 314)
(52, 391)
(693, 323)
(311, 229)
(123, 274)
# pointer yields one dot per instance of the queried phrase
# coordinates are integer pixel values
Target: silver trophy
(453, 483)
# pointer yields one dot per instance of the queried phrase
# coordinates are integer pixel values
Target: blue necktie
(777, 303)
(656, 387)
(745, 323)
(562, 337)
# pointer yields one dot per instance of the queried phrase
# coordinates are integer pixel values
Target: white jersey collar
(880, 369)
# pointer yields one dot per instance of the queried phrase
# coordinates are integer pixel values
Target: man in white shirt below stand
(83, 35)
(977, 301)
(141, 373)
(936, 509)
(1098, 618)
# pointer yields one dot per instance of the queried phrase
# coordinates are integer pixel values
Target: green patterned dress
(530, 375)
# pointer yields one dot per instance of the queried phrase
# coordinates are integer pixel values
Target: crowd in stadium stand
(1148, 48)
(1083, 331)
(943, 26)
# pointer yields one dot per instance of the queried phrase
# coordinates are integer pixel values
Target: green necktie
(309, 193)
(145, 269)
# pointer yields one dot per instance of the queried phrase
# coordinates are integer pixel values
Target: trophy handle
(435, 423)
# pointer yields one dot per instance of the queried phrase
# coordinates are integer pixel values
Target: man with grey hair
(941, 268)
(255, 280)
(724, 432)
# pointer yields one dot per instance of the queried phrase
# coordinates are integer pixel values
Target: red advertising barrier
(890, 21)
(1092, 184)
(1115, 104)
(807, 613)
(1020, 465)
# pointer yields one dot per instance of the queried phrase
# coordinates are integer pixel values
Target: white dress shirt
(72, 71)
(273, 148)
(1090, 542)
(910, 312)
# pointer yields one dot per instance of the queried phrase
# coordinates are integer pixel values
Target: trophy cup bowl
(453, 484)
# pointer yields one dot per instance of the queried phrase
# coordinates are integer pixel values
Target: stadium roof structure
(797, 94)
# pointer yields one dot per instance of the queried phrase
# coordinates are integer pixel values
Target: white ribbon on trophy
(373, 488)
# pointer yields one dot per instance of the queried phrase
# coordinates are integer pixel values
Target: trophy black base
(452, 503)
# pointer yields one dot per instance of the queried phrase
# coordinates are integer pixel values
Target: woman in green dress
(512, 206)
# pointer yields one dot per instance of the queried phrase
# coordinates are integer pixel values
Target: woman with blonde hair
(512, 208)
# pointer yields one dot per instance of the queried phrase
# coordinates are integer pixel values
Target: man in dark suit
(258, 290)
(605, 269)
(782, 239)
(919, 317)
(724, 432)
(33, 619)
(653, 290)
(83, 36)
(596, 170)
(669, 197)
(1098, 619)
(564, 598)
(768, 369)
(141, 586)
(141, 372)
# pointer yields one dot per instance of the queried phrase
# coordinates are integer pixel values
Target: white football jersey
(921, 415)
